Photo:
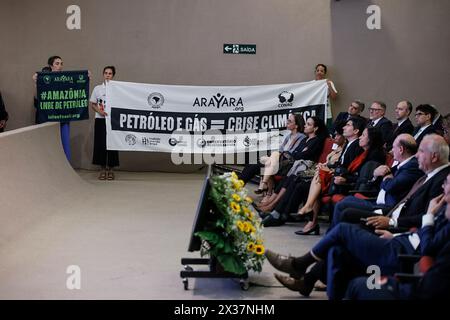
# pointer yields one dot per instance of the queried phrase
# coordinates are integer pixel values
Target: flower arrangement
(234, 237)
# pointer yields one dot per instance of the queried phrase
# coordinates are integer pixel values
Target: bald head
(433, 152)
(404, 146)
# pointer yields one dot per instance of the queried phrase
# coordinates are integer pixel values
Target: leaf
(232, 264)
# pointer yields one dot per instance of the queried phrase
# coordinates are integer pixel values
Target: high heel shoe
(315, 230)
(263, 189)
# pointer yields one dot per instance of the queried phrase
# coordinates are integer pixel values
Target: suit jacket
(428, 130)
(353, 151)
(385, 127)
(406, 127)
(417, 204)
(404, 178)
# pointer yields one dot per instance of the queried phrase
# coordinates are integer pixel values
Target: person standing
(55, 64)
(320, 74)
(107, 159)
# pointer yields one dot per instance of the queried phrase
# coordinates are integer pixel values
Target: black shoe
(283, 263)
(264, 215)
(294, 284)
(315, 230)
(270, 221)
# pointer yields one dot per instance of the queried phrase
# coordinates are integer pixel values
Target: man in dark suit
(354, 110)
(404, 125)
(349, 250)
(424, 120)
(377, 119)
(435, 283)
(363, 245)
(352, 131)
(395, 185)
(433, 160)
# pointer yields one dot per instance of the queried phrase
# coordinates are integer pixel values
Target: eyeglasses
(418, 114)
(375, 109)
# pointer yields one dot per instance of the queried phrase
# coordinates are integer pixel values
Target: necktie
(370, 124)
(413, 190)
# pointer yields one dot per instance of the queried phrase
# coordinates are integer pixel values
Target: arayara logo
(218, 101)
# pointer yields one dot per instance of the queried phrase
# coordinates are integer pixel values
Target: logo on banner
(285, 99)
(130, 139)
(246, 141)
(201, 142)
(218, 101)
(47, 79)
(155, 100)
(173, 142)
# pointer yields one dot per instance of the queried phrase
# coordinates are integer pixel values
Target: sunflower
(250, 246)
(234, 175)
(259, 249)
(240, 225)
(236, 197)
(235, 207)
(248, 199)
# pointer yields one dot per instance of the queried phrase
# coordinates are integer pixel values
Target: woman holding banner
(55, 64)
(107, 159)
(320, 74)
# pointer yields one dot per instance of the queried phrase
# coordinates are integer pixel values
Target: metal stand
(213, 272)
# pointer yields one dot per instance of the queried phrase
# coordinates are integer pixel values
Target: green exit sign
(239, 48)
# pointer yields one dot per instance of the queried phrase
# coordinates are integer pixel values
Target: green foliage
(235, 238)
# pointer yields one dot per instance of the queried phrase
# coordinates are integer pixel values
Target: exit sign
(239, 48)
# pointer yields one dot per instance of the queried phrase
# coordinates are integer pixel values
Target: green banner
(63, 96)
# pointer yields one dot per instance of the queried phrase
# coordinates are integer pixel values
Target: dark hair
(410, 106)
(299, 122)
(375, 137)
(52, 59)
(321, 65)
(410, 146)
(113, 69)
(322, 131)
(358, 123)
(381, 104)
(339, 127)
(360, 104)
(426, 108)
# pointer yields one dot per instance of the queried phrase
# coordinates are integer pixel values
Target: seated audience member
(377, 119)
(3, 114)
(348, 250)
(437, 122)
(395, 185)
(270, 202)
(435, 283)
(355, 109)
(432, 157)
(298, 192)
(295, 124)
(308, 152)
(424, 117)
(404, 125)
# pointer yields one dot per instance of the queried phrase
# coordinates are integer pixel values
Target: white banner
(204, 119)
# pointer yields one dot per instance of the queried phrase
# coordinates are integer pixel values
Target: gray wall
(180, 42)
